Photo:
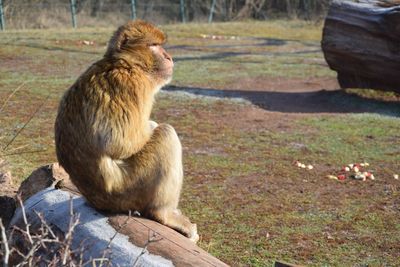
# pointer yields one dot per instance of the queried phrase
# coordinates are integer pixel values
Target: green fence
(80, 13)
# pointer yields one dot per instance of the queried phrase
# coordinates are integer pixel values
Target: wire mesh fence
(19, 14)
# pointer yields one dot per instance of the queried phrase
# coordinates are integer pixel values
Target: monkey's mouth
(168, 68)
(165, 71)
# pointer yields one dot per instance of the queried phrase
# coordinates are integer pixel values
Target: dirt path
(317, 95)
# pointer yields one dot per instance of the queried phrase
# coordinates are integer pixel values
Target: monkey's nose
(167, 56)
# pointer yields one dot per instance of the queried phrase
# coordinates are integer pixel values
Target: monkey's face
(163, 63)
(140, 43)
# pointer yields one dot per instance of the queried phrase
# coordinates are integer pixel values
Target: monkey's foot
(173, 218)
(194, 236)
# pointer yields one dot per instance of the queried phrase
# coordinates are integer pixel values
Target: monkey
(115, 155)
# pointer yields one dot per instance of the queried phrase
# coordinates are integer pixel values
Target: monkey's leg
(163, 155)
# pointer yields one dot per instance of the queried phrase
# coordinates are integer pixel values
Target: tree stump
(361, 41)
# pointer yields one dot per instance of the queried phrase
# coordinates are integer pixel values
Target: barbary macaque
(116, 156)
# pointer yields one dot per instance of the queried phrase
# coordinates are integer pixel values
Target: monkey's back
(102, 119)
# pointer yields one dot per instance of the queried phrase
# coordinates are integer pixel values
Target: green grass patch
(345, 139)
(283, 29)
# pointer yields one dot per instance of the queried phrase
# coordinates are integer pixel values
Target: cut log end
(361, 41)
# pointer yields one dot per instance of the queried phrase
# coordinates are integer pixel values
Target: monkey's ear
(124, 40)
(127, 39)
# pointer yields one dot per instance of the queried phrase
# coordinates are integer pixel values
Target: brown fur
(116, 157)
(388, 3)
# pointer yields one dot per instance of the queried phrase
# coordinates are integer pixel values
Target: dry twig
(9, 97)
(40, 245)
(4, 243)
(73, 222)
(151, 239)
(108, 247)
(27, 232)
(27, 122)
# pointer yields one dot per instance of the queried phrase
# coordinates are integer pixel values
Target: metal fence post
(2, 23)
(210, 18)
(183, 11)
(307, 9)
(133, 9)
(73, 12)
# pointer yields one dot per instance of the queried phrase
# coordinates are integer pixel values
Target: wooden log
(120, 238)
(361, 41)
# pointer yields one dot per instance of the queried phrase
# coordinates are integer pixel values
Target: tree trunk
(361, 41)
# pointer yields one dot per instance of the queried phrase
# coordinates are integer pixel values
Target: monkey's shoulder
(115, 78)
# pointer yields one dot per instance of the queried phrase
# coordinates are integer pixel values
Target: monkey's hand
(153, 125)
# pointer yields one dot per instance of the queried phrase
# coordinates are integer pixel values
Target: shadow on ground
(322, 101)
(260, 42)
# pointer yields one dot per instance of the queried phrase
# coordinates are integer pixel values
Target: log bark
(361, 41)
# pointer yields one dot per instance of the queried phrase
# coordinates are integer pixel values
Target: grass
(362, 138)
(281, 29)
(252, 206)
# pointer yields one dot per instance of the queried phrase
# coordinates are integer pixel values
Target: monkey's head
(140, 43)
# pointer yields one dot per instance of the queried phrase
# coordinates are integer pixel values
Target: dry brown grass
(56, 14)
(28, 16)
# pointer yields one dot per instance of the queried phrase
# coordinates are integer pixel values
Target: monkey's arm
(117, 125)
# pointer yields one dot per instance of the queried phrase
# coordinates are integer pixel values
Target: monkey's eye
(154, 44)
